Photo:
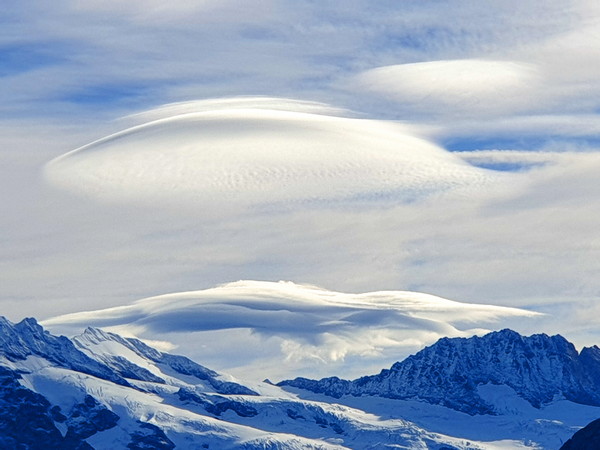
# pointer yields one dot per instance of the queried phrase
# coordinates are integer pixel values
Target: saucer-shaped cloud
(249, 323)
(466, 86)
(260, 152)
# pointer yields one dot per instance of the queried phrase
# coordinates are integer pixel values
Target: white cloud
(525, 239)
(468, 86)
(300, 324)
(232, 103)
(155, 11)
(245, 153)
(561, 132)
(207, 48)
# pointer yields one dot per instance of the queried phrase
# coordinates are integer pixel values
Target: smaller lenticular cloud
(251, 326)
(467, 86)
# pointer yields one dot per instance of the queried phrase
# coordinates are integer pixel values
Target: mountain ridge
(178, 363)
(29, 338)
(538, 368)
(50, 399)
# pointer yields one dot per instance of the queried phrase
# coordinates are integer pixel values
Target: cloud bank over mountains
(252, 326)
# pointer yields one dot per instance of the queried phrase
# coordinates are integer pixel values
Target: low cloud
(305, 325)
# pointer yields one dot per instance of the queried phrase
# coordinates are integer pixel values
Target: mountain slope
(99, 345)
(103, 391)
(161, 401)
(27, 338)
(538, 368)
(588, 438)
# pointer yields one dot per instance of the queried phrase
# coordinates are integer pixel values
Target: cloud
(252, 152)
(545, 133)
(275, 48)
(232, 103)
(468, 86)
(518, 160)
(526, 238)
(309, 324)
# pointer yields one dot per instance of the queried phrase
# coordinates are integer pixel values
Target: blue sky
(514, 81)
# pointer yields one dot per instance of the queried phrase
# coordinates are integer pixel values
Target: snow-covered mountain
(101, 390)
(538, 368)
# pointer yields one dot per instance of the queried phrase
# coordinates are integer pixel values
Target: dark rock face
(588, 438)
(27, 419)
(127, 369)
(88, 418)
(538, 368)
(217, 405)
(150, 437)
(332, 386)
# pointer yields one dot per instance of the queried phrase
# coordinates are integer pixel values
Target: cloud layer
(303, 325)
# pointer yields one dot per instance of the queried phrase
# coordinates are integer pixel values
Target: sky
(444, 147)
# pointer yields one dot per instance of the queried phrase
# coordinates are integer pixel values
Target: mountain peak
(92, 340)
(96, 336)
(51, 399)
(538, 368)
(28, 338)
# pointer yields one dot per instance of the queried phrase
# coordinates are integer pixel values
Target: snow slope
(158, 400)
(517, 423)
(171, 402)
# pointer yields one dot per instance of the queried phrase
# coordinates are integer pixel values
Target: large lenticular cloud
(260, 151)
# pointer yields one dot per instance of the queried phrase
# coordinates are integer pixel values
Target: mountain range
(101, 390)
(538, 368)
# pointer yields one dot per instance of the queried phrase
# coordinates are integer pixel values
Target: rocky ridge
(539, 368)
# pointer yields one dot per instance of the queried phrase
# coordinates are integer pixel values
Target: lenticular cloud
(259, 152)
(472, 86)
(248, 326)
